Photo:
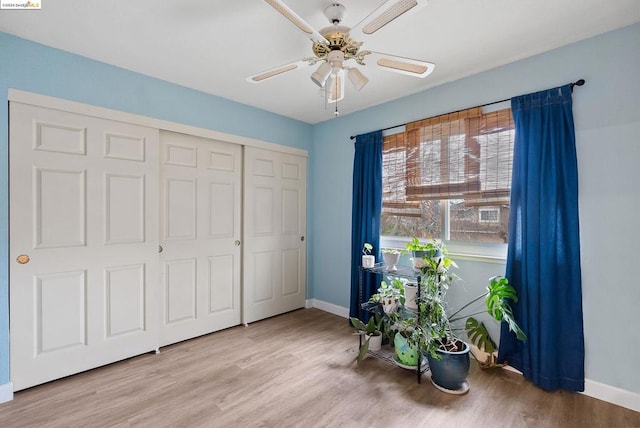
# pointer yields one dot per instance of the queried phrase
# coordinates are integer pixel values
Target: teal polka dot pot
(405, 354)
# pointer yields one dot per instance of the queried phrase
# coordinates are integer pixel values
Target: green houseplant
(422, 252)
(496, 297)
(390, 297)
(437, 331)
(368, 259)
(372, 332)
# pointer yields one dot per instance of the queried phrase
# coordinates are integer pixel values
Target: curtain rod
(578, 82)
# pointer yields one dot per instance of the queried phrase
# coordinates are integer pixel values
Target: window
(489, 215)
(449, 177)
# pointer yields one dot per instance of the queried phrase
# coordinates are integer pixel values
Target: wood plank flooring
(294, 370)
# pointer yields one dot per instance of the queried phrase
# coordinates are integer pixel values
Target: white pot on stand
(410, 292)
(389, 304)
(368, 261)
(390, 260)
(375, 341)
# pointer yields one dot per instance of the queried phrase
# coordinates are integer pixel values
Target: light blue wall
(35, 68)
(607, 119)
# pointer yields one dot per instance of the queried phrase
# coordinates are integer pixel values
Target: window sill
(477, 252)
(477, 258)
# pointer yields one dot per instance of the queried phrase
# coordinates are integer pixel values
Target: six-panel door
(274, 253)
(200, 236)
(83, 240)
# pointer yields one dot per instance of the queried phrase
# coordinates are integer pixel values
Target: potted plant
(368, 259)
(402, 333)
(372, 332)
(389, 295)
(438, 331)
(386, 302)
(422, 252)
(405, 343)
(496, 304)
(391, 257)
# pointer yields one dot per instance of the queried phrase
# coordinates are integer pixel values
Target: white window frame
(474, 251)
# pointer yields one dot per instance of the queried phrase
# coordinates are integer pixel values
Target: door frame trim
(39, 100)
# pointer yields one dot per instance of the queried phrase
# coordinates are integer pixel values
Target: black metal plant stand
(401, 272)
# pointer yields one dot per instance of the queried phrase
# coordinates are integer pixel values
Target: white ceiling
(213, 45)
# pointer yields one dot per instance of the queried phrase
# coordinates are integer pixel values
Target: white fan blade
(277, 71)
(386, 13)
(296, 20)
(398, 64)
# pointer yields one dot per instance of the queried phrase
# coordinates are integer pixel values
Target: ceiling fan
(336, 50)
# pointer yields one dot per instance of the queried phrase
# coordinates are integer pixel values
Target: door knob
(302, 238)
(237, 243)
(160, 249)
(23, 259)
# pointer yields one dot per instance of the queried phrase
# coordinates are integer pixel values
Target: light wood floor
(295, 370)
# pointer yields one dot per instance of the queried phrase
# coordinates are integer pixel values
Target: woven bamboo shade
(463, 155)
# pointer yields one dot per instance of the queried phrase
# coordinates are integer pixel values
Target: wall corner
(6, 392)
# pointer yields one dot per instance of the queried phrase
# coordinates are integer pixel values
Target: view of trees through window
(449, 174)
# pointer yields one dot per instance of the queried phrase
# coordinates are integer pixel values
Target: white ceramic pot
(410, 292)
(375, 342)
(368, 261)
(390, 260)
(389, 305)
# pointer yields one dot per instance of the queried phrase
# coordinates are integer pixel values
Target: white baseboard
(511, 369)
(612, 394)
(328, 307)
(6, 392)
(602, 391)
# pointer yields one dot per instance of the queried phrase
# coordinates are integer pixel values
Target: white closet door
(274, 250)
(83, 242)
(200, 236)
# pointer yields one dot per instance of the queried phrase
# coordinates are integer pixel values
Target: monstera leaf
(499, 292)
(479, 336)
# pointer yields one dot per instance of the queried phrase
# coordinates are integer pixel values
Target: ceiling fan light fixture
(320, 76)
(357, 78)
(333, 45)
(400, 7)
(335, 88)
(335, 59)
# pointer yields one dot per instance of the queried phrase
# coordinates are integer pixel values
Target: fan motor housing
(337, 37)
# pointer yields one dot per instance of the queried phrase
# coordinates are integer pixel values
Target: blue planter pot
(451, 370)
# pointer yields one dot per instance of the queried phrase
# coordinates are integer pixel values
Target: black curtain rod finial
(578, 82)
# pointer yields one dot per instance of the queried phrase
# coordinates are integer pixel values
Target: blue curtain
(543, 261)
(366, 209)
